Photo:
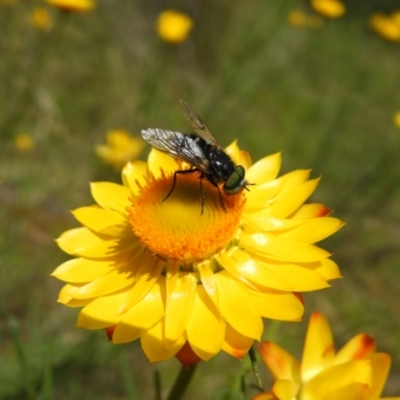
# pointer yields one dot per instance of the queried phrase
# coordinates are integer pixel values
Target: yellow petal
(294, 178)
(111, 196)
(278, 305)
(158, 161)
(291, 199)
(208, 279)
(276, 275)
(236, 344)
(319, 348)
(281, 364)
(239, 157)
(276, 248)
(257, 222)
(237, 307)
(180, 306)
(336, 377)
(360, 346)
(285, 390)
(148, 272)
(66, 299)
(351, 391)
(233, 151)
(328, 269)
(261, 196)
(205, 328)
(101, 312)
(155, 347)
(83, 242)
(134, 173)
(103, 221)
(264, 170)
(145, 314)
(137, 271)
(110, 283)
(80, 270)
(314, 230)
(380, 363)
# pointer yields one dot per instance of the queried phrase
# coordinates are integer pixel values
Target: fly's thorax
(221, 166)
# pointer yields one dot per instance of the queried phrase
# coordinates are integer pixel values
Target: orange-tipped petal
(236, 344)
(282, 365)
(361, 346)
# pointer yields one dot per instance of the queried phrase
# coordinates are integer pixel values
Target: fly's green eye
(235, 183)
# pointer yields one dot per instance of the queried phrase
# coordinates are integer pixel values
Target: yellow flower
(396, 119)
(386, 26)
(40, 18)
(191, 284)
(173, 26)
(329, 8)
(23, 142)
(121, 147)
(356, 371)
(73, 5)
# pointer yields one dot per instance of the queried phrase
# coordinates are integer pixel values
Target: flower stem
(182, 381)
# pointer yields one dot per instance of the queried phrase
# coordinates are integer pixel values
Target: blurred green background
(325, 97)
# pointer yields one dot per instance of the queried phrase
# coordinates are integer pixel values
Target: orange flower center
(175, 227)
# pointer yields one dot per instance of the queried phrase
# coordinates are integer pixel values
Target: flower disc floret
(178, 228)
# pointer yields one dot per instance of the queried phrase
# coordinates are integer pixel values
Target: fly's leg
(182, 171)
(219, 193)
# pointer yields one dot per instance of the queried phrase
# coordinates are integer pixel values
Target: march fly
(202, 152)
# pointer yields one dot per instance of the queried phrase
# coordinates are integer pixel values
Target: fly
(202, 152)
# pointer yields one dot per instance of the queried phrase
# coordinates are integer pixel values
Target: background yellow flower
(387, 26)
(23, 142)
(121, 147)
(329, 8)
(40, 18)
(173, 26)
(356, 371)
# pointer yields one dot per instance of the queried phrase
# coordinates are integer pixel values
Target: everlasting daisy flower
(356, 371)
(121, 147)
(173, 26)
(329, 8)
(73, 5)
(189, 283)
(23, 142)
(396, 119)
(40, 18)
(387, 27)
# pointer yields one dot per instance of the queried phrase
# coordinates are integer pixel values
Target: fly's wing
(197, 124)
(176, 145)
